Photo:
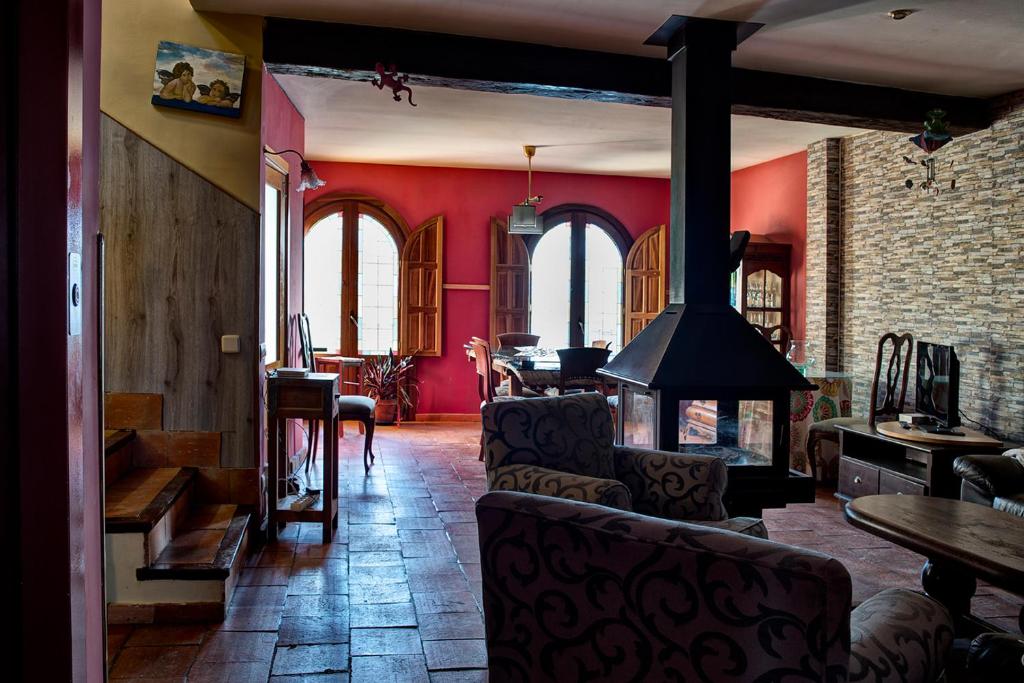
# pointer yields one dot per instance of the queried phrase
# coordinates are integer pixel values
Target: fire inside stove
(739, 432)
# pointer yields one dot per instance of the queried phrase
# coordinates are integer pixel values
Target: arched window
(576, 277)
(350, 277)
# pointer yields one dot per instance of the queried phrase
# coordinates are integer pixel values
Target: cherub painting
(198, 79)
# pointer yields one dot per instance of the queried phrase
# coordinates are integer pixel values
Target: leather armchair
(577, 591)
(563, 446)
(993, 480)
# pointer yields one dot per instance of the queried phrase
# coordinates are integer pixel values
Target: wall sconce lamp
(308, 179)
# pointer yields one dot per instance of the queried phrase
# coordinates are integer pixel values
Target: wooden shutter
(420, 290)
(646, 281)
(510, 282)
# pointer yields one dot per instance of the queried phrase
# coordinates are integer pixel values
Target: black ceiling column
(701, 54)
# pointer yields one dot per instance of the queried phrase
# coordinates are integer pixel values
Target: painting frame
(198, 79)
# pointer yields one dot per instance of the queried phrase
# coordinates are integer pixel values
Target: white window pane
(322, 282)
(271, 228)
(549, 288)
(603, 289)
(377, 288)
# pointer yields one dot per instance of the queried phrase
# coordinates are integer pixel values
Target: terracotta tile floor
(396, 597)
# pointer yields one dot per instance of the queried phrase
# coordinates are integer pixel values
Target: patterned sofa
(574, 591)
(563, 446)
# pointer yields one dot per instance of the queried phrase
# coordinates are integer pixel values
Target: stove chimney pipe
(701, 54)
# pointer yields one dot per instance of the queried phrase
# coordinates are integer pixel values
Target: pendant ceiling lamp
(523, 220)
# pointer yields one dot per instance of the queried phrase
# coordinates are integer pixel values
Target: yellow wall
(225, 151)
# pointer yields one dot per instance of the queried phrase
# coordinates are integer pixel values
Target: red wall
(468, 198)
(770, 199)
(284, 128)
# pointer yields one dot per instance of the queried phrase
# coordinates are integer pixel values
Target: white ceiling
(353, 121)
(960, 47)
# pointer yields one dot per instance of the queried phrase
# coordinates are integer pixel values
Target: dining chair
(896, 351)
(352, 407)
(783, 339)
(509, 340)
(485, 379)
(578, 368)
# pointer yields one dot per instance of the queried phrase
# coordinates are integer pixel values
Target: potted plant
(388, 380)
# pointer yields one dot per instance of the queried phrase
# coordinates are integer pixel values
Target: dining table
(535, 368)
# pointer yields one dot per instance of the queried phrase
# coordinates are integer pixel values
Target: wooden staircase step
(137, 501)
(206, 549)
(115, 439)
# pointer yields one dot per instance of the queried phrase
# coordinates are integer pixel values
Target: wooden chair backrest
(306, 343)
(581, 363)
(511, 339)
(897, 373)
(484, 371)
(784, 337)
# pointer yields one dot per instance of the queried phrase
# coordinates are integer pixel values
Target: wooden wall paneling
(182, 260)
(646, 282)
(420, 289)
(510, 282)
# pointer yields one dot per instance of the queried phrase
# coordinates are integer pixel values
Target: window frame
(350, 206)
(276, 176)
(578, 216)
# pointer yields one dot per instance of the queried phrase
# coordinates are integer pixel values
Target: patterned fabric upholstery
(672, 485)
(533, 479)
(556, 443)
(751, 526)
(565, 433)
(574, 591)
(899, 635)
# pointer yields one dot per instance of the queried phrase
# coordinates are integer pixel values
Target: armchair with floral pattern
(574, 591)
(563, 446)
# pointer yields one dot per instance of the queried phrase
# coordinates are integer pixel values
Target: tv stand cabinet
(871, 462)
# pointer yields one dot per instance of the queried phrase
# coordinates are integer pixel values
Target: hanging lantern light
(523, 220)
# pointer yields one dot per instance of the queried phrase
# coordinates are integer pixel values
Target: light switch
(230, 343)
(74, 294)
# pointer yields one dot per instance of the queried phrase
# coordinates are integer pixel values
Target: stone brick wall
(948, 269)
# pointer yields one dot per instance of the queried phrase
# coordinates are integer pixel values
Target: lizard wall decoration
(390, 78)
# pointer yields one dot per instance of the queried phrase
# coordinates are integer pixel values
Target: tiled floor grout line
(297, 607)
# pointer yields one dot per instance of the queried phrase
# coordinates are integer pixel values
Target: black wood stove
(699, 378)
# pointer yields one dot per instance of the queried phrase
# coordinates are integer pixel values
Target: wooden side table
(302, 398)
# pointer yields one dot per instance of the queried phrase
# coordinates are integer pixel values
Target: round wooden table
(962, 541)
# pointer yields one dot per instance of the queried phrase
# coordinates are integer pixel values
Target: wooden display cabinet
(764, 284)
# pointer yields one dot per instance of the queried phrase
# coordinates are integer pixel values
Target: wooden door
(510, 282)
(646, 281)
(420, 287)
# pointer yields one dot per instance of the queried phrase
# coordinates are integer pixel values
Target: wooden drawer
(894, 483)
(857, 479)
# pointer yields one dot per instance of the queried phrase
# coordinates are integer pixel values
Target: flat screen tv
(937, 388)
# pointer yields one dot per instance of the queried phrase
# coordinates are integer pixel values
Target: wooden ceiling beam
(351, 52)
